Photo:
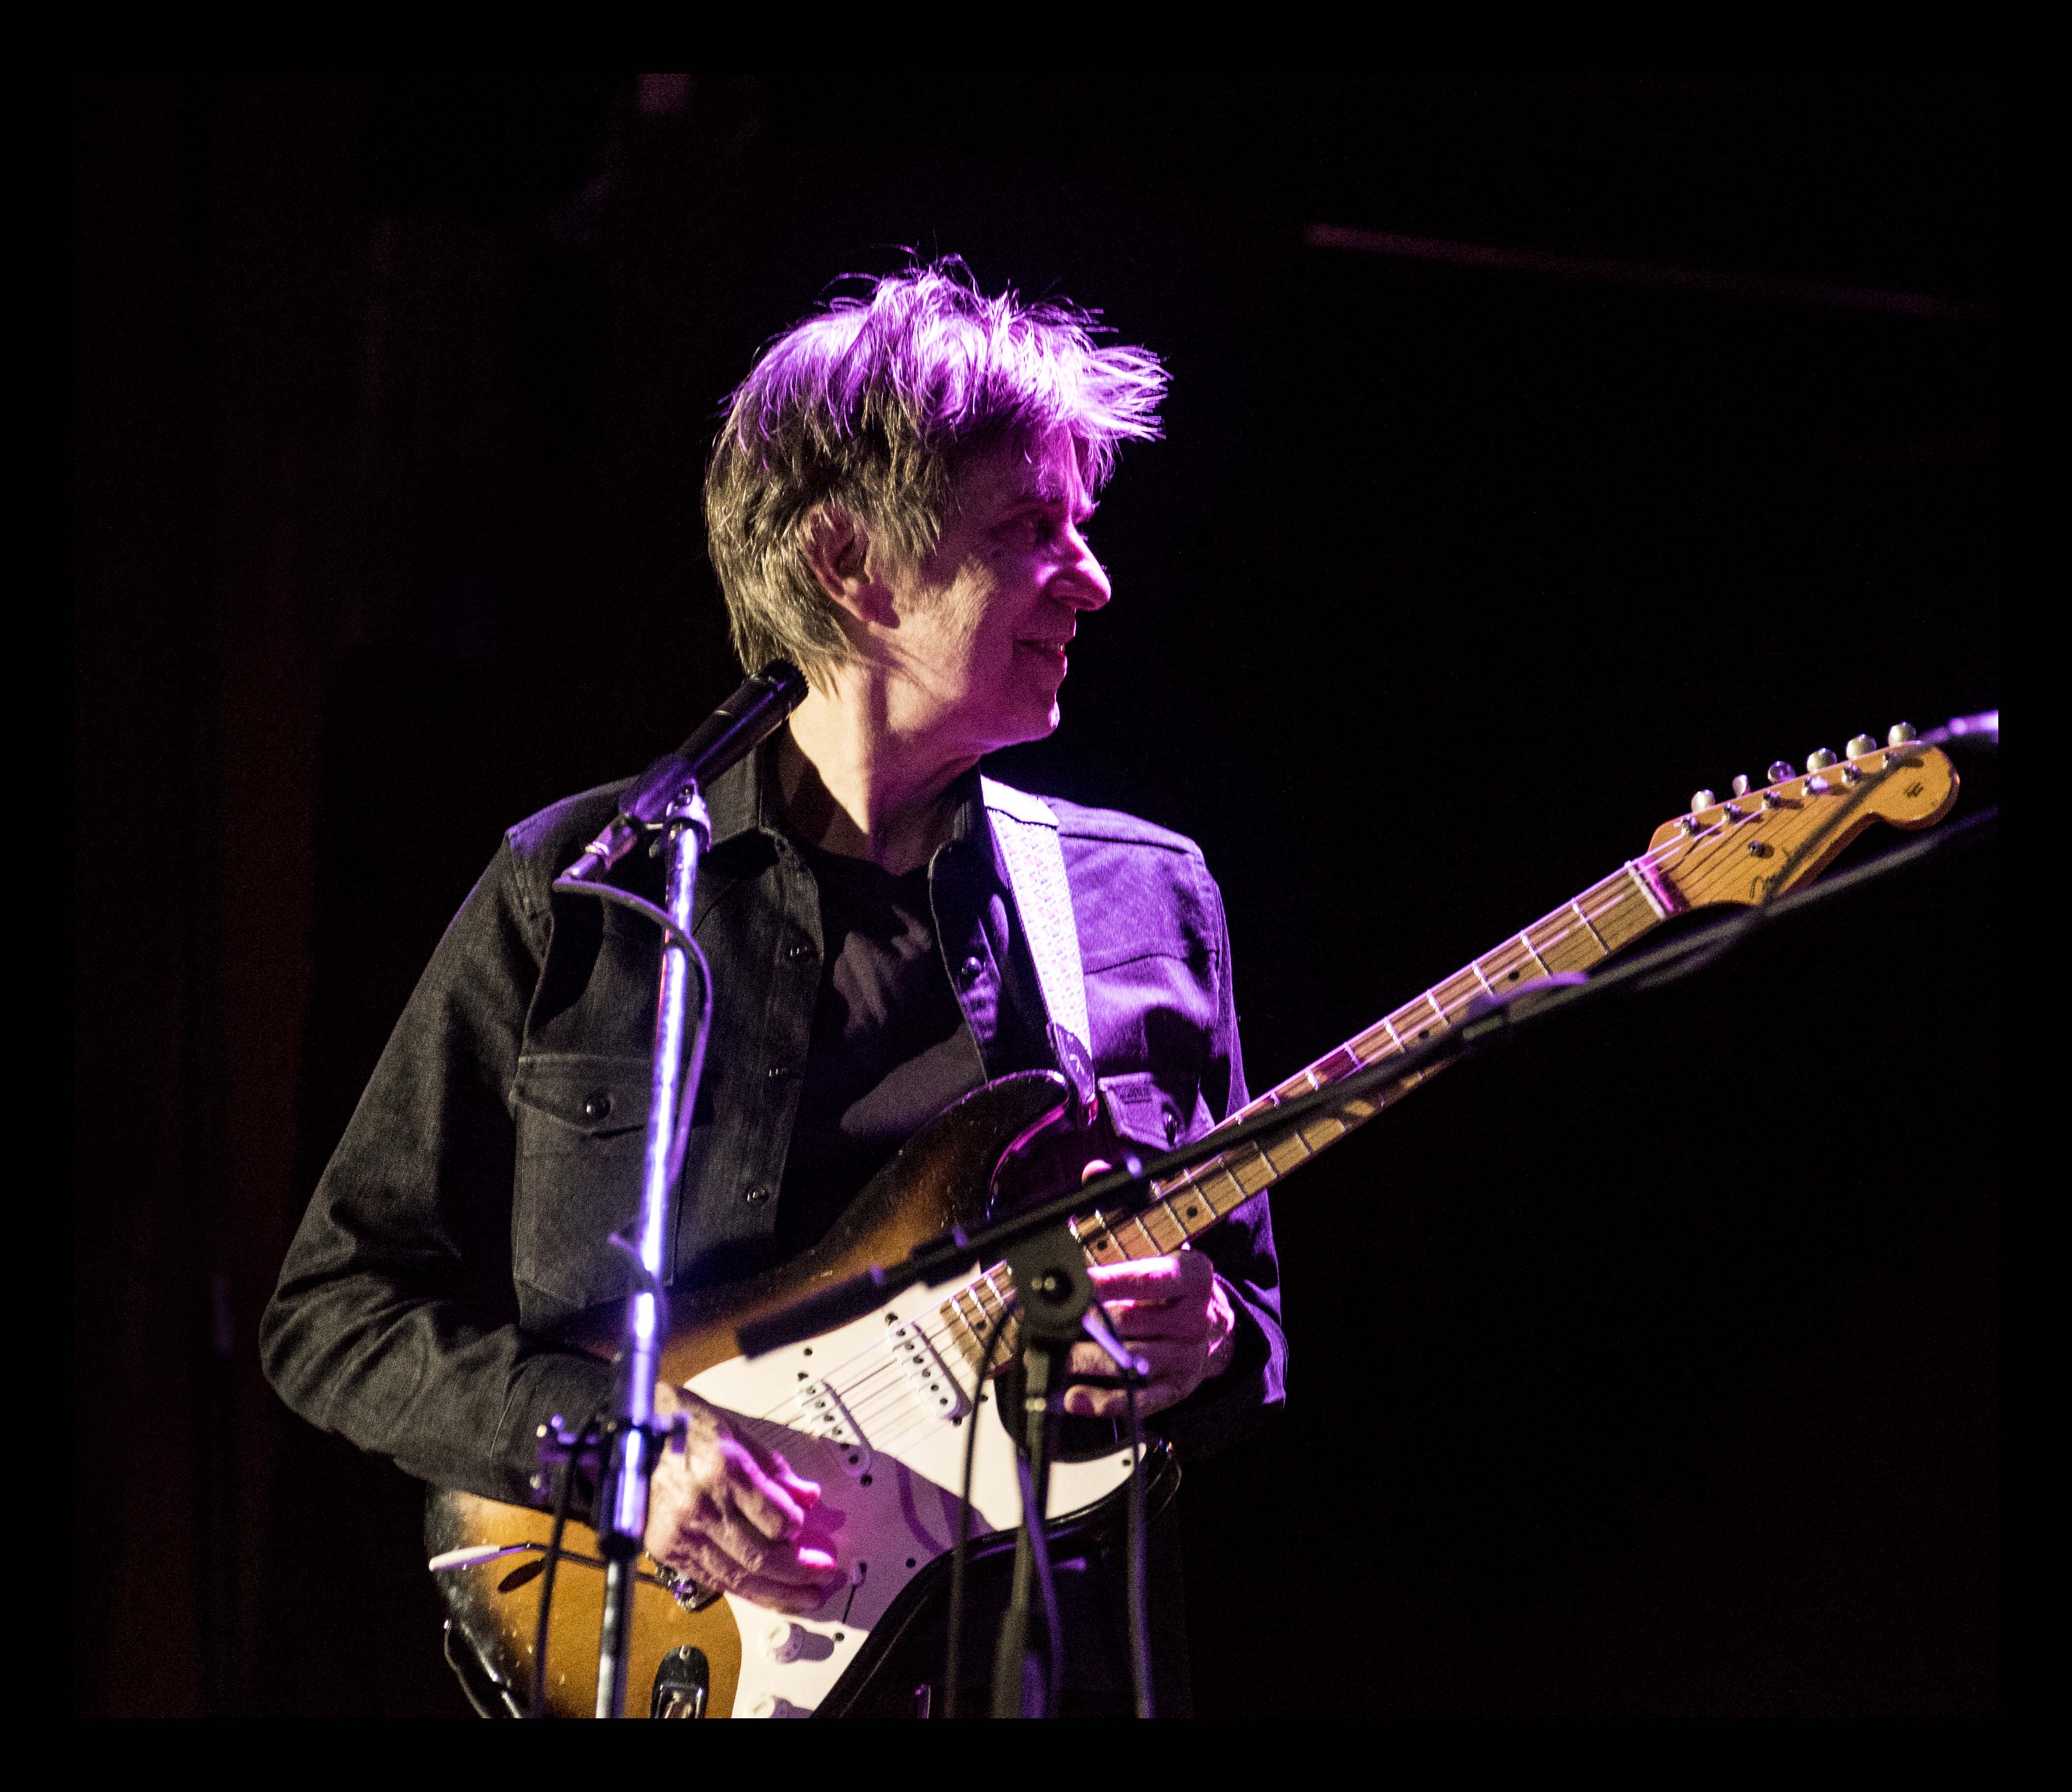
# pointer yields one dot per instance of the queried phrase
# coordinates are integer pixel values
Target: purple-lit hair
(879, 405)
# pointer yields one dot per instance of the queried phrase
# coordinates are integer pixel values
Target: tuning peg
(1741, 783)
(1702, 799)
(1901, 734)
(1780, 771)
(1860, 744)
(1818, 759)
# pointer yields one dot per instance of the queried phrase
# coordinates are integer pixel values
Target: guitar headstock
(1758, 843)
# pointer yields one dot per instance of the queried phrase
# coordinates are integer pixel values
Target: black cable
(553, 1561)
(953, 1654)
(1046, 1584)
(693, 1069)
(1134, 1561)
(626, 898)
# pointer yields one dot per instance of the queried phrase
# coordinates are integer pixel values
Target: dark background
(1648, 1369)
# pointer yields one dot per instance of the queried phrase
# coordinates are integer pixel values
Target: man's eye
(1036, 529)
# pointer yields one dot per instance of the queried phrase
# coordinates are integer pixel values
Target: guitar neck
(1604, 920)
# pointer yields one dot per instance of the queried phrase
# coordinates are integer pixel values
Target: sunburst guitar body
(875, 1411)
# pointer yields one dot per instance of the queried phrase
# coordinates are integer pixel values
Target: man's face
(986, 619)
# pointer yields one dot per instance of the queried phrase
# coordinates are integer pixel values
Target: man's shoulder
(1077, 823)
(548, 842)
(1124, 870)
(1115, 827)
(1140, 890)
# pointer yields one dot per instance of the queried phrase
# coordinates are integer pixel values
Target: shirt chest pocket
(581, 1124)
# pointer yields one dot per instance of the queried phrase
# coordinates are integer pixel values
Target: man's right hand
(731, 1514)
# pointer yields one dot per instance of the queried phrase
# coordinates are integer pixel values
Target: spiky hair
(878, 404)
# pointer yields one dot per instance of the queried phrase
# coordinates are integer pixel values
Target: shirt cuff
(568, 1385)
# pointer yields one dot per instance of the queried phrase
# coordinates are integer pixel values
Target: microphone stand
(1055, 1303)
(666, 805)
(633, 1442)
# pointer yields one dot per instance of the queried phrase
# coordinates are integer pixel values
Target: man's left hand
(1173, 1312)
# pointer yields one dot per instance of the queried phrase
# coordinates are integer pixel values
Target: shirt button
(597, 1105)
(756, 1197)
(777, 1072)
(800, 949)
(968, 971)
(1172, 1129)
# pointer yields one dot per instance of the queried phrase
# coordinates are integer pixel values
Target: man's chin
(1020, 730)
(1042, 730)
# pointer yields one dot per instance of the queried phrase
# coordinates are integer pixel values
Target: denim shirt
(465, 1213)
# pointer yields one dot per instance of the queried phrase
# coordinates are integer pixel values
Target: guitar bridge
(926, 1373)
(823, 1415)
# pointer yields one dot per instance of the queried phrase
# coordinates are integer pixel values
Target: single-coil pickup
(933, 1384)
(823, 1415)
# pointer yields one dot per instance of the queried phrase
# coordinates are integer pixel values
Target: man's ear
(837, 549)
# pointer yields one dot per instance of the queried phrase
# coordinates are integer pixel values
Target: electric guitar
(876, 1411)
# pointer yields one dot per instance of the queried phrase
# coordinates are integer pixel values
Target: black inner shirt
(891, 1048)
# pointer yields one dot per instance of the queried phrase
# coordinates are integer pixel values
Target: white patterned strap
(1026, 830)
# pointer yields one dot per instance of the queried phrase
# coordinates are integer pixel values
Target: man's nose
(1082, 582)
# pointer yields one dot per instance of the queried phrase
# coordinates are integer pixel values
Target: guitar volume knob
(784, 1641)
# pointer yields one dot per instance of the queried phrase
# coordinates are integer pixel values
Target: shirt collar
(743, 799)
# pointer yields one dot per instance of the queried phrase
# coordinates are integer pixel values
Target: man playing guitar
(897, 504)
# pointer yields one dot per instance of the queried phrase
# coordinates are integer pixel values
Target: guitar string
(862, 1401)
(1618, 887)
(879, 1348)
(868, 1405)
(1622, 890)
(867, 1413)
(912, 1416)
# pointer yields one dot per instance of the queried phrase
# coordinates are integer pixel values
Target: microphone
(724, 738)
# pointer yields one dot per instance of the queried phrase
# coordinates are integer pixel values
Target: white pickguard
(889, 1464)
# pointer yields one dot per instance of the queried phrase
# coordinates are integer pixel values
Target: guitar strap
(1025, 828)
